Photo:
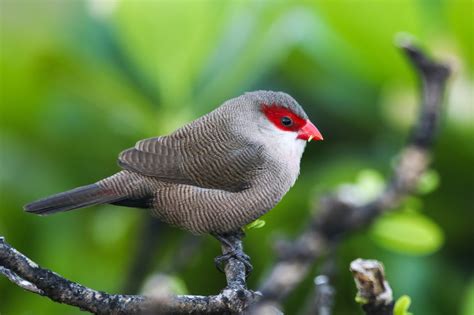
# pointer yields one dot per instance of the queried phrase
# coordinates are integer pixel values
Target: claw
(221, 260)
(234, 252)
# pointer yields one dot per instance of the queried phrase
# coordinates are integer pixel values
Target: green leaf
(402, 305)
(257, 224)
(428, 183)
(407, 232)
(361, 300)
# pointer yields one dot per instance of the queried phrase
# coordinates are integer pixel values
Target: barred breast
(203, 210)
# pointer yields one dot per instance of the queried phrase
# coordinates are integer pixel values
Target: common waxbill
(213, 175)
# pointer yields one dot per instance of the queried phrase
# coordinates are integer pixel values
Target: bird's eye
(286, 121)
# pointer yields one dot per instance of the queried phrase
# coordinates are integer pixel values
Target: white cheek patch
(284, 144)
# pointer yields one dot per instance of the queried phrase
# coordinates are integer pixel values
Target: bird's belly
(202, 210)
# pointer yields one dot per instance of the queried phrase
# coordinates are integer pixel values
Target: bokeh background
(83, 80)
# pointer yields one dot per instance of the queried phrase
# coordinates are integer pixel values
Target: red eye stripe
(275, 113)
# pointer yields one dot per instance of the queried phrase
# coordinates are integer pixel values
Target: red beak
(309, 132)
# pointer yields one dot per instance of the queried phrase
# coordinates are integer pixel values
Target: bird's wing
(221, 164)
(154, 157)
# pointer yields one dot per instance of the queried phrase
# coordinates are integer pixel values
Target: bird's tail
(73, 199)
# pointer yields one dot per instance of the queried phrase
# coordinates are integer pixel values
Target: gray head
(271, 114)
(281, 99)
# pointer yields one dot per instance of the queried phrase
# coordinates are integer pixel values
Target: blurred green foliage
(401, 306)
(83, 80)
(407, 232)
(468, 303)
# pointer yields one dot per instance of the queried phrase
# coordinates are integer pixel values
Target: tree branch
(373, 291)
(28, 286)
(340, 215)
(27, 274)
(324, 296)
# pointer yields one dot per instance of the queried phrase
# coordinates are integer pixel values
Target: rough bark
(27, 274)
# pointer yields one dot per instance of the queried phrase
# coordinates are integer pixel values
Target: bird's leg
(232, 248)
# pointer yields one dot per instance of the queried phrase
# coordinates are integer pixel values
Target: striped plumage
(213, 175)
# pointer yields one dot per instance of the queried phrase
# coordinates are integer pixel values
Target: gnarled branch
(27, 274)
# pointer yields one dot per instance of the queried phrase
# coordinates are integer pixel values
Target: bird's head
(288, 120)
(279, 114)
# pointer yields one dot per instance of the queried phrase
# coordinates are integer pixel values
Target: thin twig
(373, 291)
(324, 295)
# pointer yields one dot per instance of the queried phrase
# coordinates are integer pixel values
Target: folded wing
(210, 160)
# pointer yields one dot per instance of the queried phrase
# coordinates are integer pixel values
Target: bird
(214, 175)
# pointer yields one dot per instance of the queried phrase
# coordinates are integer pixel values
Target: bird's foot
(232, 242)
(220, 261)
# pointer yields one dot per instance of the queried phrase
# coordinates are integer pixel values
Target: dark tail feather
(76, 198)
